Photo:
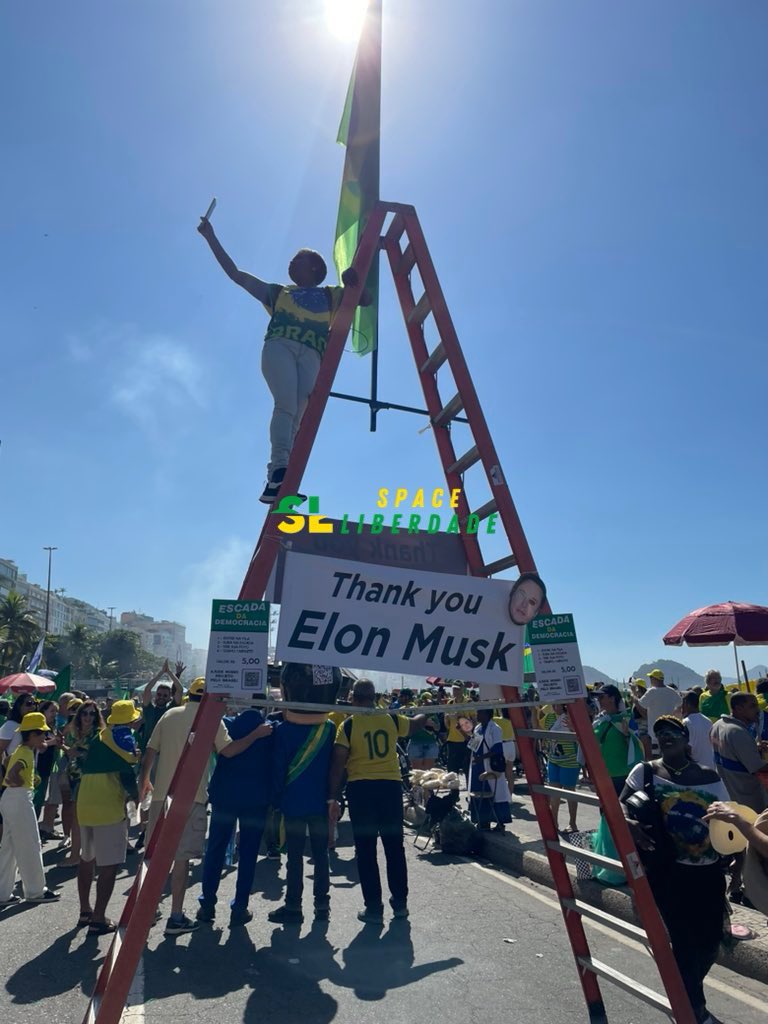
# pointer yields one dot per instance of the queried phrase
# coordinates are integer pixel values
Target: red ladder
(117, 972)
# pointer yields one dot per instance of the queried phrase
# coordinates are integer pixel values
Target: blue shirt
(242, 783)
(308, 794)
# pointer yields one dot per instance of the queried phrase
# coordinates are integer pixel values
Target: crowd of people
(79, 772)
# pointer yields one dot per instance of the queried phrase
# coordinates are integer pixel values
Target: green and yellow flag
(360, 132)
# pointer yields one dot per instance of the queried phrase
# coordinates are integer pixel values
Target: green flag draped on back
(360, 132)
(63, 681)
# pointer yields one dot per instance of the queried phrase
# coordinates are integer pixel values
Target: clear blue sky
(591, 180)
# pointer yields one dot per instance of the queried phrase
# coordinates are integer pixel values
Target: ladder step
(594, 858)
(545, 734)
(407, 261)
(395, 230)
(631, 985)
(596, 914)
(499, 566)
(420, 311)
(465, 461)
(436, 359)
(486, 510)
(448, 412)
(568, 794)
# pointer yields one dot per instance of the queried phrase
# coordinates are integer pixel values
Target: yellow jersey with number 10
(372, 744)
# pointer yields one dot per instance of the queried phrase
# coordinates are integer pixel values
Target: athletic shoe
(12, 900)
(240, 915)
(206, 913)
(399, 910)
(273, 486)
(49, 896)
(48, 837)
(371, 915)
(178, 926)
(273, 853)
(286, 915)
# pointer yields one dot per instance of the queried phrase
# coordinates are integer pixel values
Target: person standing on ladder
(297, 334)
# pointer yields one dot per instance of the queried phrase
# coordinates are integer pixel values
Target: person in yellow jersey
(508, 745)
(366, 751)
(300, 319)
(458, 753)
(20, 846)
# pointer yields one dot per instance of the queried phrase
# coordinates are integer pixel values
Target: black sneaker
(286, 915)
(49, 896)
(179, 926)
(273, 853)
(371, 915)
(12, 900)
(240, 915)
(399, 909)
(273, 486)
(206, 913)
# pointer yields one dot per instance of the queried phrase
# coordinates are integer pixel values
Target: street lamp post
(111, 610)
(50, 551)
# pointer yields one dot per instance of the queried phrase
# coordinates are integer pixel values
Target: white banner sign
(237, 650)
(362, 616)
(556, 658)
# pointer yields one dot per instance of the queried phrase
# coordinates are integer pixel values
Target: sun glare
(345, 17)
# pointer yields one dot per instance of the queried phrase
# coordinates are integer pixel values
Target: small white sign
(556, 658)
(237, 651)
(362, 616)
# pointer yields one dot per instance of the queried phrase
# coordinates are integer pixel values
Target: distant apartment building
(63, 612)
(160, 637)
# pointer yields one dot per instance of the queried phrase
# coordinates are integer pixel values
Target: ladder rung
(407, 260)
(631, 985)
(436, 359)
(395, 229)
(466, 460)
(594, 858)
(420, 311)
(567, 794)
(499, 566)
(486, 510)
(596, 914)
(447, 413)
(546, 734)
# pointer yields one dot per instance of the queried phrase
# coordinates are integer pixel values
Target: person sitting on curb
(20, 846)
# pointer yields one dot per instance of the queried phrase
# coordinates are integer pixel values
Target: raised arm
(258, 289)
(146, 696)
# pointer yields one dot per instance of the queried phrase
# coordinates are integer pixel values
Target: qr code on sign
(572, 684)
(252, 679)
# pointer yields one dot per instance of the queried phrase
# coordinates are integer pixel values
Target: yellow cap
(197, 687)
(123, 712)
(656, 674)
(34, 720)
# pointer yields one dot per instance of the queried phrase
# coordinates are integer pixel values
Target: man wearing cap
(20, 846)
(164, 751)
(620, 748)
(714, 700)
(107, 780)
(657, 701)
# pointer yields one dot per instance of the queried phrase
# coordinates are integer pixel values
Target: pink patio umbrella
(717, 625)
(26, 682)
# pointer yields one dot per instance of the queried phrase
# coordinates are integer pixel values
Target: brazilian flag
(360, 132)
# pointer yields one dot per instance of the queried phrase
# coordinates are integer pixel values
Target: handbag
(645, 809)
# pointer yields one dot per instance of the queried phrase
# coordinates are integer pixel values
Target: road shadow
(63, 966)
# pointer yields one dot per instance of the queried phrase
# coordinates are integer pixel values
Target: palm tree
(20, 632)
(81, 647)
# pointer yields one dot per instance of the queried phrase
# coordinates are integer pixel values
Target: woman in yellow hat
(20, 847)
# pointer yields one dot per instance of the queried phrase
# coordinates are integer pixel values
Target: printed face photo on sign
(526, 599)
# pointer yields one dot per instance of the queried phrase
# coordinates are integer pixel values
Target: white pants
(290, 370)
(21, 844)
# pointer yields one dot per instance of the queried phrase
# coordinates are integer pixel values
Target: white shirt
(699, 728)
(658, 701)
(8, 731)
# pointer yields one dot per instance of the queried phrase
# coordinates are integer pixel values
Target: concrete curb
(748, 957)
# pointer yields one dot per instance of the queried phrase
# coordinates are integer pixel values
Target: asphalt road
(450, 963)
